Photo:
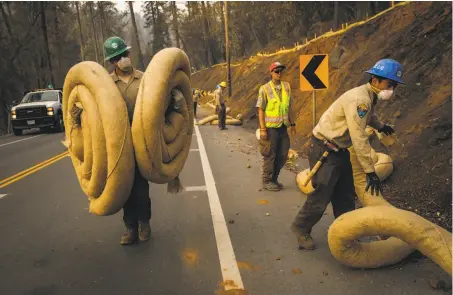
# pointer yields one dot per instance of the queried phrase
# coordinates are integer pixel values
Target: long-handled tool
(316, 168)
(321, 160)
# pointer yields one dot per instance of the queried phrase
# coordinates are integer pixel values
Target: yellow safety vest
(277, 108)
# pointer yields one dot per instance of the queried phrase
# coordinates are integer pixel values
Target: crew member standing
(196, 97)
(274, 102)
(219, 95)
(137, 210)
(343, 125)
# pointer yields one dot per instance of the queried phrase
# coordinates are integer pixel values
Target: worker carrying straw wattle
(137, 210)
(340, 127)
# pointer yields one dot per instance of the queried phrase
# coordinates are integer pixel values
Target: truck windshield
(40, 96)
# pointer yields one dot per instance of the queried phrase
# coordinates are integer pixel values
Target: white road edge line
(196, 188)
(228, 263)
(20, 140)
(2, 195)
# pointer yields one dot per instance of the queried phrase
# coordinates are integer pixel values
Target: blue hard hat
(388, 69)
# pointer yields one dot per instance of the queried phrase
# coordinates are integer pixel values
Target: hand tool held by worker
(315, 168)
(331, 148)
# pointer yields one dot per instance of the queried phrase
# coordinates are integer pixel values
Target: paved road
(204, 240)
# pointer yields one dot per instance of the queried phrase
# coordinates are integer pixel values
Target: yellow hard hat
(223, 84)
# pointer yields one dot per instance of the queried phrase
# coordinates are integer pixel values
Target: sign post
(314, 75)
(314, 109)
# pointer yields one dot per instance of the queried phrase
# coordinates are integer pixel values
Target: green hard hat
(114, 46)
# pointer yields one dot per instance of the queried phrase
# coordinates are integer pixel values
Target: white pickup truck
(38, 109)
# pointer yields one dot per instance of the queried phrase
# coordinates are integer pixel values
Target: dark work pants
(275, 152)
(138, 206)
(332, 183)
(195, 108)
(222, 116)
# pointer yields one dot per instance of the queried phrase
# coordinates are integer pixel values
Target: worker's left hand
(373, 182)
(387, 129)
(293, 130)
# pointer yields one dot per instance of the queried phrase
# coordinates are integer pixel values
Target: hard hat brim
(117, 53)
(397, 80)
(279, 67)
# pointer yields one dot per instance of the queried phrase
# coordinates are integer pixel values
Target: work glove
(263, 134)
(373, 182)
(387, 129)
(217, 109)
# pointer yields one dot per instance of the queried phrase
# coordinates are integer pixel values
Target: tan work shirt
(129, 90)
(219, 96)
(262, 96)
(344, 123)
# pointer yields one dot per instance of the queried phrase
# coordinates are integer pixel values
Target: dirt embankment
(418, 35)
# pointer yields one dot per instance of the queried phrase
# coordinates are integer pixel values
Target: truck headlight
(50, 111)
(13, 114)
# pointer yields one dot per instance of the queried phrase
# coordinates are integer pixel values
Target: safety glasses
(278, 71)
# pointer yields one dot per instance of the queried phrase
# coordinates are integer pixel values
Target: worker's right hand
(263, 134)
(373, 182)
(387, 129)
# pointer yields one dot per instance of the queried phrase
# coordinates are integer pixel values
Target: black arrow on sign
(310, 69)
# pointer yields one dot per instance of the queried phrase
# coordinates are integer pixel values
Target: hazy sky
(123, 5)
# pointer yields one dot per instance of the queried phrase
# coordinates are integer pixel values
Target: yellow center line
(33, 167)
(31, 170)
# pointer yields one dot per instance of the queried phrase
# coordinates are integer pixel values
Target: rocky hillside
(419, 35)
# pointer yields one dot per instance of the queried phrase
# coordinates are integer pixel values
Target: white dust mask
(386, 94)
(125, 64)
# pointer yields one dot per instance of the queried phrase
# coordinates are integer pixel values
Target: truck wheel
(59, 126)
(17, 131)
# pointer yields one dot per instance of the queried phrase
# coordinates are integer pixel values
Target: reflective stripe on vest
(277, 108)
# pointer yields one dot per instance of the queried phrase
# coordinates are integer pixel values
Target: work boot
(129, 237)
(306, 242)
(144, 231)
(275, 180)
(278, 184)
(270, 186)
